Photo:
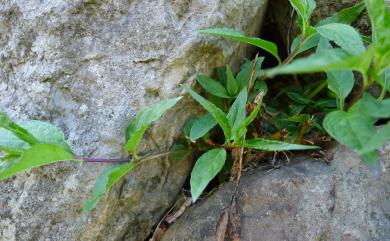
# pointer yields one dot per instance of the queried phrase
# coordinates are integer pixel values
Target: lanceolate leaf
(346, 16)
(37, 155)
(217, 113)
(143, 120)
(105, 181)
(343, 35)
(212, 86)
(333, 59)
(236, 35)
(206, 168)
(202, 126)
(270, 145)
(231, 84)
(236, 115)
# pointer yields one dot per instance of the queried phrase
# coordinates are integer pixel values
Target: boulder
(305, 200)
(88, 66)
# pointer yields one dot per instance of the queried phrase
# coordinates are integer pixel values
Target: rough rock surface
(88, 66)
(308, 200)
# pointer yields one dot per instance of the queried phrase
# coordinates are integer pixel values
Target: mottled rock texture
(88, 66)
(306, 200)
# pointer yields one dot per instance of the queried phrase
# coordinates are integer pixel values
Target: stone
(305, 200)
(88, 66)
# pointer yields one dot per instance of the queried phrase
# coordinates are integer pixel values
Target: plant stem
(105, 160)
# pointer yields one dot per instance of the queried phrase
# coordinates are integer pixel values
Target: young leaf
(212, 86)
(343, 35)
(105, 181)
(236, 115)
(270, 145)
(217, 113)
(346, 16)
(332, 59)
(378, 140)
(202, 126)
(206, 168)
(231, 84)
(36, 156)
(143, 120)
(304, 9)
(20, 132)
(236, 35)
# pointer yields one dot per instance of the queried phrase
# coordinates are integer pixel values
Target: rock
(88, 66)
(307, 200)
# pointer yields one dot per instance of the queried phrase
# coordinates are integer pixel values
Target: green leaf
(217, 113)
(271, 145)
(352, 129)
(346, 16)
(143, 120)
(236, 115)
(37, 155)
(212, 86)
(341, 82)
(372, 107)
(232, 87)
(236, 35)
(304, 9)
(309, 43)
(385, 79)
(379, 139)
(202, 126)
(9, 141)
(332, 59)
(343, 35)
(297, 97)
(380, 23)
(20, 132)
(244, 75)
(105, 181)
(206, 168)
(46, 133)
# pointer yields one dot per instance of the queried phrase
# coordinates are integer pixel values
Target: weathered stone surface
(88, 66)
(307, 200)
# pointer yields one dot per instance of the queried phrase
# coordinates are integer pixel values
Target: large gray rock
(88, 66)
(308, 200)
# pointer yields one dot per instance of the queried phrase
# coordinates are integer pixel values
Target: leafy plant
(242, 120)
